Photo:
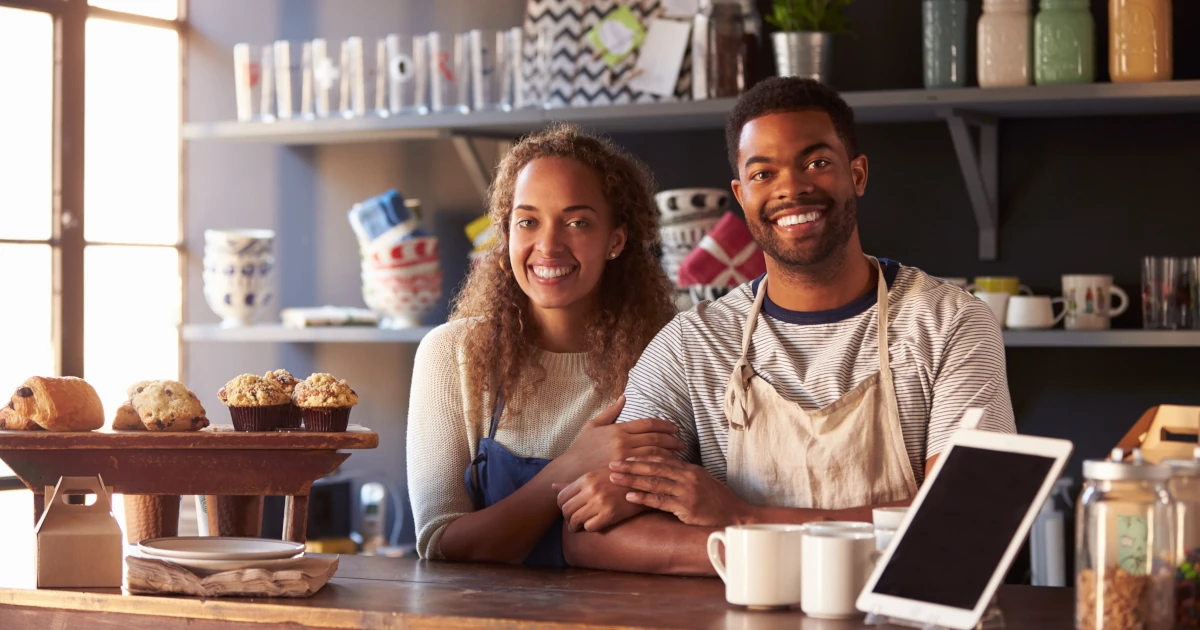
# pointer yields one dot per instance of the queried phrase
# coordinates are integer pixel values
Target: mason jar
(1185, 490)
(1125, 545)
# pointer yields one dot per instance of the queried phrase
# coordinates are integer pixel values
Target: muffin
(325, 402)
(292, 419)
(255, 403)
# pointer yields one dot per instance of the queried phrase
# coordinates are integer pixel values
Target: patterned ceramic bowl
(402, 300)
(238, 242)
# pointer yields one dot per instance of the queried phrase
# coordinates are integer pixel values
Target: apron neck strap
(752, 318)
(496, 411)
(881, 292)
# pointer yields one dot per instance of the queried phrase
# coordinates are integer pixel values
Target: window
(89, 245)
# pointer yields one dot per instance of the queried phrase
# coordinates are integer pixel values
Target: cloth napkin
(726, 257)
(146, 576)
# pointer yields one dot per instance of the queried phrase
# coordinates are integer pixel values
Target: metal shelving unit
(1102, 338)
(277, 333)
(972, 116)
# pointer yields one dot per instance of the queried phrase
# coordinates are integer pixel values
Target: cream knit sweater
(442, 440)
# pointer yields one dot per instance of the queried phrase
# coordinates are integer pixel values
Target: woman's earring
(612, 255)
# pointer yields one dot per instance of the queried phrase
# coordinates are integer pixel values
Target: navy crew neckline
(890, 269)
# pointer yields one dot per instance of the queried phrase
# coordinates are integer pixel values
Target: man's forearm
(652, 542)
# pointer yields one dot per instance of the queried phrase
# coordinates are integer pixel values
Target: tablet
(967, 522)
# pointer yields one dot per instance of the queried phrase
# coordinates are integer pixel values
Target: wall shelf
(1102, 338)
(889, 106)
(277, 333)
(972, 116)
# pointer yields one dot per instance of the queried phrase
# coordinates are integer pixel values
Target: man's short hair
(789, 94)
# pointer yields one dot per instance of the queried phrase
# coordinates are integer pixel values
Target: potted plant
(804, 43)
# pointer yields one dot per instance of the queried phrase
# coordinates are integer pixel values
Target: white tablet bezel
(950, 617)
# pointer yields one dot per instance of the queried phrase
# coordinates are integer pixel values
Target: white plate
(219, 548)
(217, 566)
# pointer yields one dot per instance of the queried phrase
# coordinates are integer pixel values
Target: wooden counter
(406, 593)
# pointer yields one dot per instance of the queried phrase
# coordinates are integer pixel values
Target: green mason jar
(1064, 41)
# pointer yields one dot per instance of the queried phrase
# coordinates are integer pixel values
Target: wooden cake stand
(234, 470)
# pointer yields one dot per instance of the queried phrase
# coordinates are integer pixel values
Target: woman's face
(561, 234)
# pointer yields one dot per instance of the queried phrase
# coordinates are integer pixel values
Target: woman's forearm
(507, 530)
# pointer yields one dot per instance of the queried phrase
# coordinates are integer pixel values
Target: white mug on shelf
(836, 566)
(762, 564)
(997, 301)
(1032, 312)
(1087, 301)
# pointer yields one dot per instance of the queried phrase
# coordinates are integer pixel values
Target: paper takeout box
(78, 546)
(1164, 432)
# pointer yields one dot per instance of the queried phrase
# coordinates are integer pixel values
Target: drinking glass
(449, 72)
(489, 69)
(1166, 295)
(408, 74)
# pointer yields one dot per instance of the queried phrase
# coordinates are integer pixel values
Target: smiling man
(821, 390)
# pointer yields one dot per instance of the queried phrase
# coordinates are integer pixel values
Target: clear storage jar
(1125, 545)
(1185, 490)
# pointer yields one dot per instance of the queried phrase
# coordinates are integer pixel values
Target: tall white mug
(762, 564)
(1088, 301)
(837, 564)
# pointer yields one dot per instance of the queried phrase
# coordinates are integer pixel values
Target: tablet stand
(992, 619)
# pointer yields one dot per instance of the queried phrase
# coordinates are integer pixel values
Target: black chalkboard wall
(1077, 195)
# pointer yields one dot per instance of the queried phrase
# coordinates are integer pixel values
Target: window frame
(66, 242)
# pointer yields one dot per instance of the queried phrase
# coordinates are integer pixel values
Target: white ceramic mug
(887, 522)
(1087, 301)
(762, 564)
(1032, 312)
(836, 566)
(998, 302)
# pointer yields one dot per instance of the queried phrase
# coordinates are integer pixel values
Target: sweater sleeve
(438, 448)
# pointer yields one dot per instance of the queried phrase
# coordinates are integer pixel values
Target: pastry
(169, 406)
(127, 418)
(325, 402)
(135, 389)
(12, 421)
(59, 404)
(256, 403)
(291, 420)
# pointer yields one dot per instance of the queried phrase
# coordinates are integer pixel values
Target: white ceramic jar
(1004, 44)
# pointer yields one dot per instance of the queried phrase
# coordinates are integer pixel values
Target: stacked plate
(214, 554)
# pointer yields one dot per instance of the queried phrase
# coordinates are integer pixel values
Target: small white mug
(762, 564)
(1033, 312)
(1088, 304)
(836, 566)
(887, 522)
(997, 301)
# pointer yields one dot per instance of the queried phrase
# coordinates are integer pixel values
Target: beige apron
(849, 454)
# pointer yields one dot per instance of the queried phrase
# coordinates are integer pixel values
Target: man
(791, 410)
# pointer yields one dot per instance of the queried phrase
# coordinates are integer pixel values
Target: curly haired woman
(521, 389)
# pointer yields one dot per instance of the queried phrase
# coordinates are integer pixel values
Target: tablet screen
(959, 534)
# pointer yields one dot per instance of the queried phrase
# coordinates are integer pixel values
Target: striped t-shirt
(945, 346)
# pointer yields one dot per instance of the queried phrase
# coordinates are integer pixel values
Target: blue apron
(496, 473)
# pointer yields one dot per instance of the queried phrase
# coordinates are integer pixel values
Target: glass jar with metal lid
(1125, 545)
(1185, 490)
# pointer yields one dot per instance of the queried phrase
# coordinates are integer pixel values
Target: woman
(521, 389)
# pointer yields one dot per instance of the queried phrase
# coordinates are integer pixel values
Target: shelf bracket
(477, 171)
(979, 162)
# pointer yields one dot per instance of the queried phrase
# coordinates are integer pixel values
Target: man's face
(798, 186)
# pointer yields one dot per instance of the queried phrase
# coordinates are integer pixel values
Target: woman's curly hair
(636, 298)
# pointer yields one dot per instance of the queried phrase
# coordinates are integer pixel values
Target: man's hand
(685, 490)
(593, 503)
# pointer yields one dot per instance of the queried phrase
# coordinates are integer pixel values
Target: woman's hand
(602, 441)
(594, 503)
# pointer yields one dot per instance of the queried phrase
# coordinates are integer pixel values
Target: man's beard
(840, 221)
